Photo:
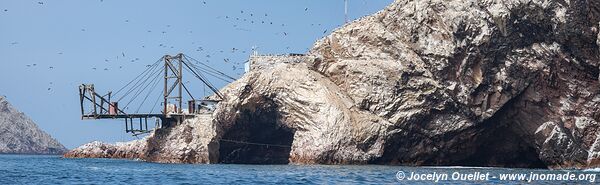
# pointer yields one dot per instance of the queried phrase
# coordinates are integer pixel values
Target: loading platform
(168, 68)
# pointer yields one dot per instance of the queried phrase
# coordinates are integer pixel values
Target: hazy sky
(48, 48)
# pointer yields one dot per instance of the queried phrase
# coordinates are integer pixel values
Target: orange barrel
(113, 108)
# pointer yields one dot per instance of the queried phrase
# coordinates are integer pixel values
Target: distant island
(20, 135)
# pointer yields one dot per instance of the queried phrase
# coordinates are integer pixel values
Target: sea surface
(45, 169)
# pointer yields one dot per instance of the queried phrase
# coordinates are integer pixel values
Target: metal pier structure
(171, 70)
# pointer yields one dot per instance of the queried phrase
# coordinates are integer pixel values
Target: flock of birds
(244, 17)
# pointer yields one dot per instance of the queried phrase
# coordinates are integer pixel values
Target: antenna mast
(345, 11)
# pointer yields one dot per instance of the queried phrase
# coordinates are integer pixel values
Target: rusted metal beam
(81, 94)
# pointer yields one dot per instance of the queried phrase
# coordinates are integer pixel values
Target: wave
(592, 170)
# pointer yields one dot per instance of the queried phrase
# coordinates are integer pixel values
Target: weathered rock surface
(181, 143)
(511, 83)
(20, 135)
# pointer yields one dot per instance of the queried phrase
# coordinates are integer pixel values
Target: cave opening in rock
(502, 142)
(503, 147)
(499, 141)
(257, 138)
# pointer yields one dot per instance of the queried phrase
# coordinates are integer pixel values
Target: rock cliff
(512, 83)
(20, 135)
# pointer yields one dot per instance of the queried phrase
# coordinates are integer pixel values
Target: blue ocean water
(42, 169)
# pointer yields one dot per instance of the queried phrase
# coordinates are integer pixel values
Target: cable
(155, 63)
(203, 77)
(139, 82)
(149, 92)
(251, 143)
(211, 73)
(141, 90)
(217, 71)
(138, 92)
(155, 103)
(205, 81)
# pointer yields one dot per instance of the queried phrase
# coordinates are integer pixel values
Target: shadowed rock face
(20, 135)
(488, 83)
(256, 138)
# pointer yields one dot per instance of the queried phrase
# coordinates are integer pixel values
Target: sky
(49, 47)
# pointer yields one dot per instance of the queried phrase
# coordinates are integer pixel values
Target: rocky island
(20, 135)
(512, 83)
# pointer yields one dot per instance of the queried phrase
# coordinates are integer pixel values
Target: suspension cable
(253, 143)
(217, 71)
(141, 90)
(210, 73)
(147, 69)
(204, 80)
(149, 92)
(156, 102)
(139, 83)
(202, 77)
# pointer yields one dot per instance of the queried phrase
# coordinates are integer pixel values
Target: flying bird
(40, 2)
